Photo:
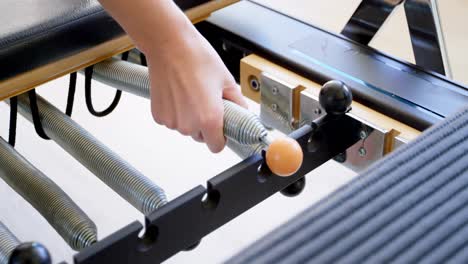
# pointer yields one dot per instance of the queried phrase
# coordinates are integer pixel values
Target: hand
(188, 83)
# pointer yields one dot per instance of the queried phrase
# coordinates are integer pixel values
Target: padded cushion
(410, 207)
(37, 32)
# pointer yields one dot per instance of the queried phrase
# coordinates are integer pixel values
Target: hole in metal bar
(211, 199)
(149, 238)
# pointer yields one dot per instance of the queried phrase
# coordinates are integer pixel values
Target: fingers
(212, 129)
(198, 137)
(233, 93)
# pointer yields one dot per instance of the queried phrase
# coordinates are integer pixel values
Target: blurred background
(178, 164)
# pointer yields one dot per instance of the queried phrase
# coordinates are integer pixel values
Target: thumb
(233, 94)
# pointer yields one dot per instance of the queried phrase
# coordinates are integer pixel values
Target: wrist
(162, 35)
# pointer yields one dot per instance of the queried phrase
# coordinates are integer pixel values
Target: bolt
(274, 107)
(363, 134)
(362, 151)
(274, 90)
(224, 46)
(254, 84)
(341, 158)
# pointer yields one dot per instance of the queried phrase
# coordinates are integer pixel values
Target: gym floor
(178, 164)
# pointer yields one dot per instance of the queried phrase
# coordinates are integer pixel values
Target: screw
(363, 134)
(254, 84)
(362, 151)
(274, 107)
(317, 111)
(224, 46)
(341, 158)
(274, 90)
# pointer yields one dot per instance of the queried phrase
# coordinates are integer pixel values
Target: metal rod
(72, 224)
(118, 174)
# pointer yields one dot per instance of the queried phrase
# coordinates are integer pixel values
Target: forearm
(152, 24)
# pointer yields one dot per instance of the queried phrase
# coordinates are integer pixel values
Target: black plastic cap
(335, 97)
(295, 188)
(30, 253)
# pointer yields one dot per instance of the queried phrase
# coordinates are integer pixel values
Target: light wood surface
(253, 65)
(26, 81)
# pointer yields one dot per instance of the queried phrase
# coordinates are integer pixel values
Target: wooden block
(253, 66)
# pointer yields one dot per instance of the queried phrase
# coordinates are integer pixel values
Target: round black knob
(295, 188)
(335, 97)
(30, 253)
(194, 246)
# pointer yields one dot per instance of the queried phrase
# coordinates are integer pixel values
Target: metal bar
(187, 219)
(368, 19)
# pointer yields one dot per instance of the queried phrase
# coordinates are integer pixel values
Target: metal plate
(277, 104)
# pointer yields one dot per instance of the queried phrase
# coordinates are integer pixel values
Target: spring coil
(118, 174)
(244, 151)
(123, 75)
(239, 124)
(73, 225)
(8, 243)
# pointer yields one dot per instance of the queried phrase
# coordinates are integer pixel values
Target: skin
(188, 79)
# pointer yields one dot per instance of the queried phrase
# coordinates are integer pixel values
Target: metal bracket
(278, 107)
(367, 150)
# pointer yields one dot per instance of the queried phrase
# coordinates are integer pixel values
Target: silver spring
(123, 75)
(239, 124)
(244, 151)
(72, 224)
(118, 174)
(8, 243)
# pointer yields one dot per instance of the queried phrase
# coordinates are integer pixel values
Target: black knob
(30, 253)
(194, 246)
(335, 97)
(295, 188)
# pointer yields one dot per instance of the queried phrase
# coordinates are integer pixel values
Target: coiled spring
(73, 225)
(239, 124)
(244, 151)
(118, 174)
(8, 243)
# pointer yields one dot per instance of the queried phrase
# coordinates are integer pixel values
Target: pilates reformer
(345, 105)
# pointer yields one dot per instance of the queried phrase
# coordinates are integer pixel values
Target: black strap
(71, 94)
(35, 114)
(125, 55)
(89, 101)
(13, 119)
(143, 59)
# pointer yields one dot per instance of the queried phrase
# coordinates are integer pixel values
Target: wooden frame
(26, 81)
(252, 66)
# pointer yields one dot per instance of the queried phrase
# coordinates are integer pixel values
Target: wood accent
(28, 80)
(252, 66)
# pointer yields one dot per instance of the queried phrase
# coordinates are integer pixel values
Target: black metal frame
(403, 91)
(248, 28)
(183, 222)
(371, 14)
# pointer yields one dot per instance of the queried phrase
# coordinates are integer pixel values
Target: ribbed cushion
(411, 206)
